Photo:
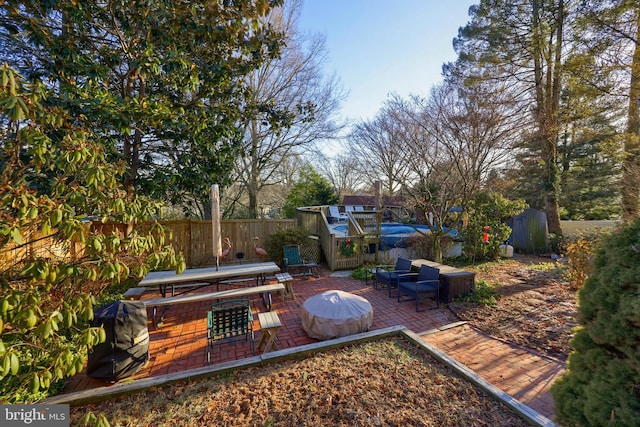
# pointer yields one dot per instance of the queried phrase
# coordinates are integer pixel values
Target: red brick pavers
(180, 343)
(519, 372)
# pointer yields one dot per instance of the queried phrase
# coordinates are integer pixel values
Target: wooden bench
(134, 293)
(270, 324)
(265, 290)
(287, 281)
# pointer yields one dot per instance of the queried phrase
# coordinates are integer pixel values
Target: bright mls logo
(34, 415)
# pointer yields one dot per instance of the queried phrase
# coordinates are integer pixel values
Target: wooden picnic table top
(209, 273)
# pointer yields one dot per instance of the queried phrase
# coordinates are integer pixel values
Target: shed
(529, 231)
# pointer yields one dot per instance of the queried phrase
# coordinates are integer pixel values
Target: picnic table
(192, 278)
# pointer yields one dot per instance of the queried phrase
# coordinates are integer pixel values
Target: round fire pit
(334, 314)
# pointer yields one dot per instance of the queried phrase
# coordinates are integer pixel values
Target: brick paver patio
(180, 343)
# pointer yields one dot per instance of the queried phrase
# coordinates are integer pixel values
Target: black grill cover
(126, 348)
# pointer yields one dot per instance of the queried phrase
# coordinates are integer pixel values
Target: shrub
(580, 251)
(483, 293)
(600, 385)
(362, 273)
(54, 173)
(286, 236)
(489, 210)
(422, 246)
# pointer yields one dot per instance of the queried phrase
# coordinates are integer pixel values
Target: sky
(379, 47)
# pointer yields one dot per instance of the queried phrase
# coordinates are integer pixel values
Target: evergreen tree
(311, 190)
(600, 386)
(522, 42)
(162, 83)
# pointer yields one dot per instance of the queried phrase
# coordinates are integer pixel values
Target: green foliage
(600, 386)
(53, 175)
(311, 190)
(492, 210)
(361, 272)
(286, 236)
(484, 293)
(91, 419)
(161, 83)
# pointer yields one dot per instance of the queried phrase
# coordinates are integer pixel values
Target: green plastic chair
(229, 321)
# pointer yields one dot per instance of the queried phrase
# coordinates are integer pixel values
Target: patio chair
(229, 321)
(426, 285)
(391, 278)
(336, 215)
(293, 259)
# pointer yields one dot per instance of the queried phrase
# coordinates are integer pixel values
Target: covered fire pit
(334, 314)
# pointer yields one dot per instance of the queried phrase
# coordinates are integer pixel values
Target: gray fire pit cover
(334, 314)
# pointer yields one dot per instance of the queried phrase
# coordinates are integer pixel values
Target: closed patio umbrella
(215, 223)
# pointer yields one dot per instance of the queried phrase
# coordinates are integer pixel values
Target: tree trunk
(253, 184)
(133, 142)
(548, 83)
(437, 248)
(631, 162)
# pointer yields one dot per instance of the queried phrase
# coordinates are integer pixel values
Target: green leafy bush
(490, 210)
(55, 265)
(286, 236)
(484, 293)
(601, 384)
(361, 272)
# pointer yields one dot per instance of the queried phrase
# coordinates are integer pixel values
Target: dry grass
(383, 383)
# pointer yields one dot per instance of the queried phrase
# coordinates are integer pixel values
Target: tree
(522, 43)
(310, 190)
(54, 174)
(600, 385)
(610, 30)
(342, 171)
(294, 104)
(492, 210)
(378, 146)
(161, 83)
(464, 133)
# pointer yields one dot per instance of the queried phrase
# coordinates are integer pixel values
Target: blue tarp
(393, 235)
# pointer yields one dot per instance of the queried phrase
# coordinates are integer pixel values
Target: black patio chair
(425, 285)
(390, 278)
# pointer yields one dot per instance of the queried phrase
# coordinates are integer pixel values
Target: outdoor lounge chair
(335, 214)
(426, 285)
(293, 259)
(229, 321)
(391, 278)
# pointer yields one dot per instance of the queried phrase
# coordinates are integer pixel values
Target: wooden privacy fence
(194, 238)
(37, 246)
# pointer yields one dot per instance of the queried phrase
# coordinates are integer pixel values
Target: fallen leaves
(536, 309)
(389, 382)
